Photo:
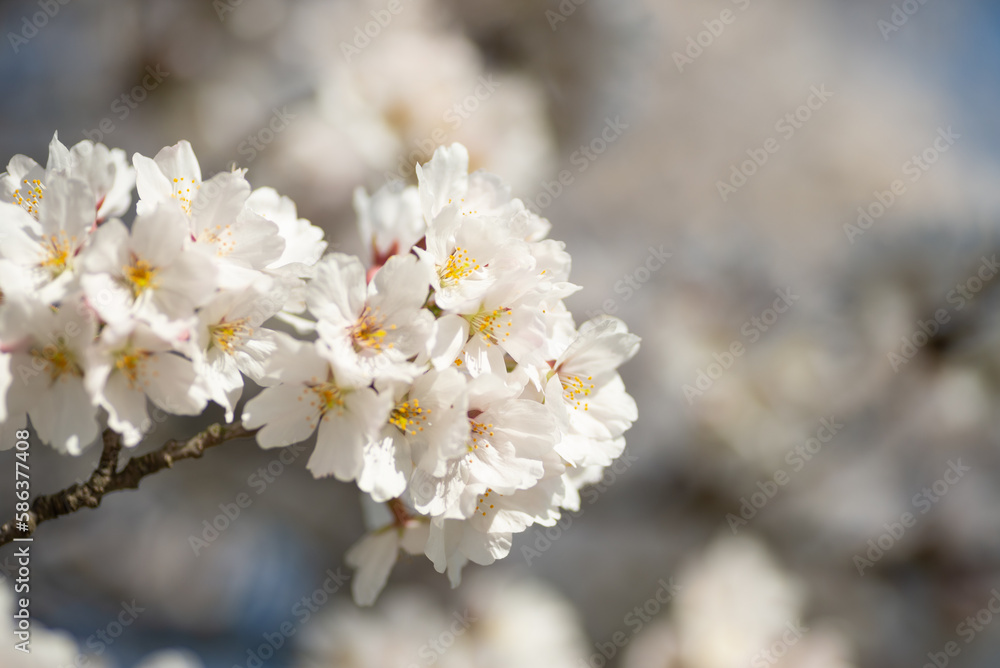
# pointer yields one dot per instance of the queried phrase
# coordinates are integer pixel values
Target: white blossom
(312, 396)
(127, 367)
(48, 349)
(105, 171)
(372, 328)
(445, 378)
(304, 244)
(390, 221)
(45, 237)
(233, 342)
(588, 395)
(149, 273)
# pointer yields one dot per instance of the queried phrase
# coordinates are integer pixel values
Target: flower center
(484, 500)
(480, 432)
(32, 198)
(574, 388)
(59, 360)
(58, 249)
(182, 192)
(221, 236)
(491, 326)
(369, 331)
(458, 266)
(330, 396)
(141, 275)
(131, 363)
(230, 335)
(409, 417)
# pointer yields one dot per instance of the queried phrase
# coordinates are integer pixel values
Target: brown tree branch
(400, 514)
(106, 478)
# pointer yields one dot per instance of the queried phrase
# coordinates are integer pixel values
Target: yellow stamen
(182, 192)
(491, 325)
(480, 432)
(458, 266)
(230, 335)
(141, 275)
(329, 395)
(58, 251)
(132, 363)
(369, 331)
(59, 360)
(574, 387)
(32, 198)
(409, 417)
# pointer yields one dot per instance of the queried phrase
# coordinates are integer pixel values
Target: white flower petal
(337, 292)
(372, 558)
(445, 177)
(283, 419)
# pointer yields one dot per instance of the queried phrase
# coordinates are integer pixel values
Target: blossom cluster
(445, 376)
(97, 317)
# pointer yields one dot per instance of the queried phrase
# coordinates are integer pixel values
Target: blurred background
(814, 479)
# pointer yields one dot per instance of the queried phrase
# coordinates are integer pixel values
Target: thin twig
(106, 478)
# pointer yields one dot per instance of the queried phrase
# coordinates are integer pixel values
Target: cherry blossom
(444, 375)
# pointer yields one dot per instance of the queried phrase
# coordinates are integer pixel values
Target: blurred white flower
(171, 658)
(417, 86)
(738, 607)
(495, 623)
